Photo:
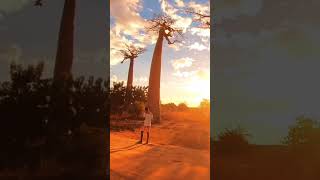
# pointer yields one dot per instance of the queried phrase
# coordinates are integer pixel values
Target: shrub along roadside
(40, 121)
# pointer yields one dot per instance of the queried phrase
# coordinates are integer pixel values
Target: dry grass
(267, 163)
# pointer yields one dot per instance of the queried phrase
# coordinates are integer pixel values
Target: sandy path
(179, 149)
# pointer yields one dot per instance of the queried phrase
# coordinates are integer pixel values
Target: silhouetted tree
(304, 131)
(182, 107)
(23, 112)
(131, 52)
(169, 107)
(164, 26)
(236, 138)
(205, 104)
(118, 96)
(64, 56)
(27, 113)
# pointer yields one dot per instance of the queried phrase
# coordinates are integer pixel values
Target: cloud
(143, 80)
(128, 28)
(194, 75)
(176, 46)
(198, 46)
(184, 74)
(182, 22)
(203, 7)
(11, 6)
(203, 74)
(117, 42)
(11, 54)
(179, 3)
(200, 32)
(181, 63)
(127, 17)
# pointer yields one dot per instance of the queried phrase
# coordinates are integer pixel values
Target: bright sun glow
(192, 91)
(198, 88)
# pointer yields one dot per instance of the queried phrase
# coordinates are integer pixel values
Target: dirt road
(179, 149)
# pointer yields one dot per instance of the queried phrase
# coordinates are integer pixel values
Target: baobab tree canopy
(131, 52)
(165, 25)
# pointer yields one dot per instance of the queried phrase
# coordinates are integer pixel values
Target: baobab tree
(64, 56)
(200, 17)
(164, 25)
(131, 52)
(62, 74)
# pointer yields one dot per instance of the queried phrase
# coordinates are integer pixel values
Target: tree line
(32, 110)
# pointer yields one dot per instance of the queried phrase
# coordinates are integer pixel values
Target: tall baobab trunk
(129, 82)
(62, 72)
(64, 57)
(154, 78)
(130, 75)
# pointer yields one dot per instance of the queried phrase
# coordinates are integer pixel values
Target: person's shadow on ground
(126, 148)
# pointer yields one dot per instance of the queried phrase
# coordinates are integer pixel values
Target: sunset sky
(29, 34)
(185, 66)
(266, 66)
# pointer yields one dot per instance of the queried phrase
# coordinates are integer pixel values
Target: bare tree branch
(202, 18)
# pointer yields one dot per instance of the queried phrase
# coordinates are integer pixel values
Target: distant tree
(118, 97)
(131, 52)
(304, 131)
(205, 104)
(26, 112)
(182, 107)
(234, 137)
(169, 107)
(23, 112)
(139, 93)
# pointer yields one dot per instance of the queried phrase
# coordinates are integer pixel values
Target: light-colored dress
(147, 119)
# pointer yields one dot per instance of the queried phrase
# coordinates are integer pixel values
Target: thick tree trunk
(62, 73)
(130, 75)
(154, 79)
(64, 57)
(129, 83)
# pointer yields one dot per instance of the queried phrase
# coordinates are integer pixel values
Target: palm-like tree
(64, 56)
(130, 53)
(164, 26)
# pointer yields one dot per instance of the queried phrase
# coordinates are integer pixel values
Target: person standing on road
(148, 116)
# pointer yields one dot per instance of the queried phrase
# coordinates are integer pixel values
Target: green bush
(304, 131)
